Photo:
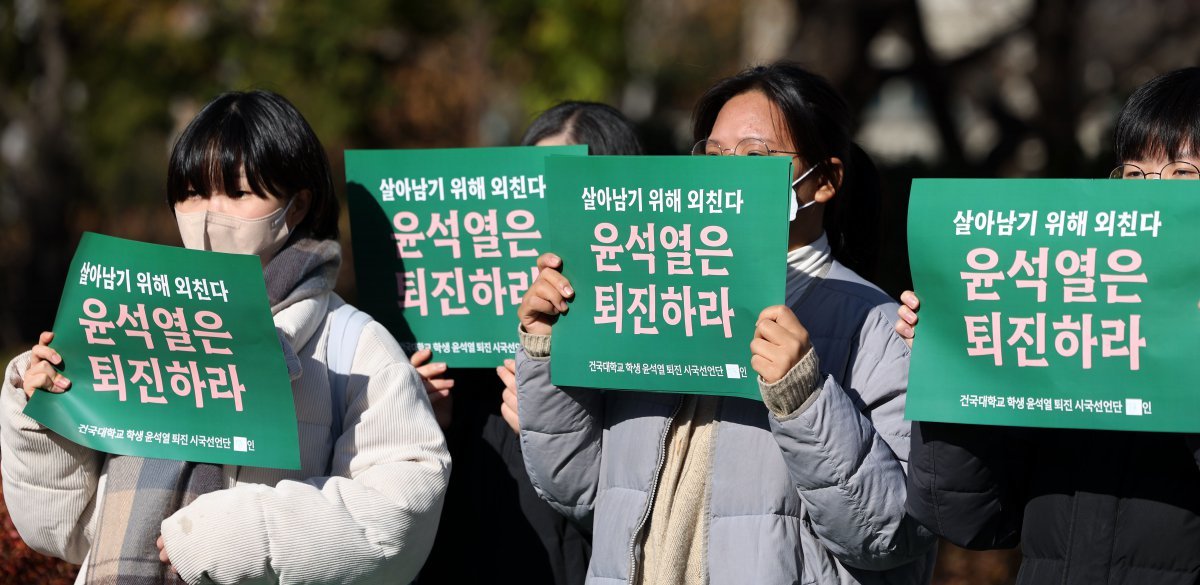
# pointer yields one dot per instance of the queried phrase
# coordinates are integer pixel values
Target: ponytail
(852, 218)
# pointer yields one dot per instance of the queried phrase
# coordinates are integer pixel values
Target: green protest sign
(1056, 303)
(672, 259)
(171, 353)
(446, 243)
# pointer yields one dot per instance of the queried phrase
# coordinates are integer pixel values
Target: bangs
(1161, 119)
(262, 133)
(1160, 141)
(210, 157)
(1161, 137)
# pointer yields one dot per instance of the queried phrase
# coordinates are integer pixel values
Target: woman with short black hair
(260, 136)
(1086, 506)
(248, 176)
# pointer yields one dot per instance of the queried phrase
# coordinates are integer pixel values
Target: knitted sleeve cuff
(536, 346)
(794, 390)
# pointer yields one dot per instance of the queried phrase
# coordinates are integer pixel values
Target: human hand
(41, 373)
(906, 325)
(508, 404)
(546, 298)
(436, 387)
(162, 553)
(779, 343)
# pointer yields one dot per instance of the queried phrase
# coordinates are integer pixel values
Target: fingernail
(62, 382)
(57, 358)
(439, 367)
(567, 291)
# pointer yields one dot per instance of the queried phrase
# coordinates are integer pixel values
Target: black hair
(603, 128)
(818, 121)
(267, 134)
(1161, 118)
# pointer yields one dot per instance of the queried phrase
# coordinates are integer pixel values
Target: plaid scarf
(141, 492)
(139, 495)
(306, 268)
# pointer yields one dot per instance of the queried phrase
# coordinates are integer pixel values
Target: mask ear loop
(794, 208)
(283, 216)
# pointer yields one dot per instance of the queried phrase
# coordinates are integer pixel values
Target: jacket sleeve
(846, 450)
(373, 521)
(50, 483)
(964, 484)
(561, 436)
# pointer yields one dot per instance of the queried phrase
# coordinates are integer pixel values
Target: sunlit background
(94, 92)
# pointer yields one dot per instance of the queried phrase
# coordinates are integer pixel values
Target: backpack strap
(346, 326)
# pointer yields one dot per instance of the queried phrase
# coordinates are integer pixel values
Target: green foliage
(142, 69)
(561, 49)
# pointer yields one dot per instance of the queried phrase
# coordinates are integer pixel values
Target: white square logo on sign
(1133, 406)
(239, 443)
(731, 371)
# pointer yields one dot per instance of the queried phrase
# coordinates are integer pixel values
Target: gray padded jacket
(817, 496)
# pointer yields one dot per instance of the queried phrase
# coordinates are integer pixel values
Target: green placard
(446, 243)
(672, 259)
(171, 353)
(1056, 303)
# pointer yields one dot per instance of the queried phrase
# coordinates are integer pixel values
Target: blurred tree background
(94, 92)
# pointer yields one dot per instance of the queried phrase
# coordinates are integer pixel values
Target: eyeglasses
(747, 147)
(1176, 169)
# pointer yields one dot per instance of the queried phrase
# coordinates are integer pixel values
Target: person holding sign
(806, 486)
(1087, 506)
(482, 429)
(248, 176)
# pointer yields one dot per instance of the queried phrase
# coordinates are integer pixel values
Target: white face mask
(219, 232)
(793, 207)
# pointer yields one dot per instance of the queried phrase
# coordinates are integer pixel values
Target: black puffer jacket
(1088, 507)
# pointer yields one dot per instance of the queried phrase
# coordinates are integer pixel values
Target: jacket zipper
(662, 459)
